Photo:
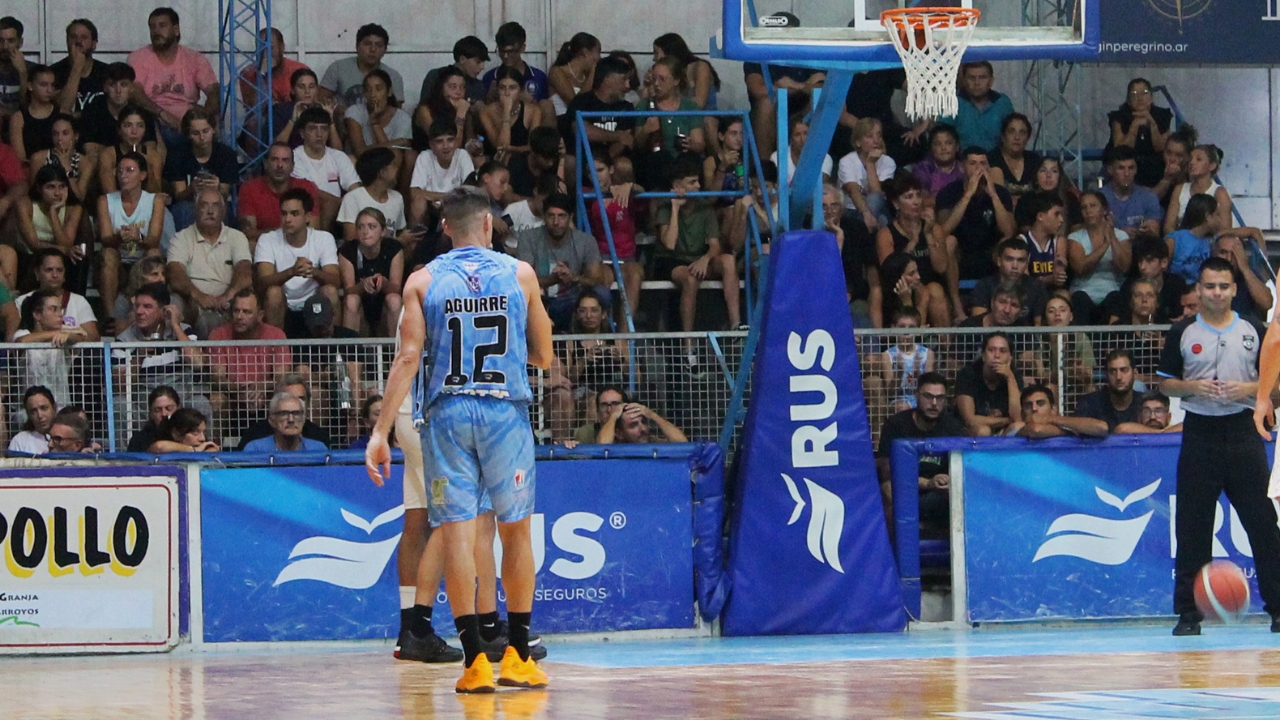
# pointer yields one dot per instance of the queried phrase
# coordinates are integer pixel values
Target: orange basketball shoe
(479, 677)
(515, 672)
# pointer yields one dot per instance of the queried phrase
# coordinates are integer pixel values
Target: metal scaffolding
(1054, 100)
(243, 44)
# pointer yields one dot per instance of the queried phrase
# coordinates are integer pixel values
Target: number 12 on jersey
(459, 342)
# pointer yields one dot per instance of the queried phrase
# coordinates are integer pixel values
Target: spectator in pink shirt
(941, 167)
(171, 77)
(282, 70)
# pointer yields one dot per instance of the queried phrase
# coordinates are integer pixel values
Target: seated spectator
(629, 425)
(469, 58)
(927, 417)
(566, 260)
(31, 128)
(305, 94)
(42, 323)
(1051, 179)
(1099, 256)
(372, 268)
(1202, 169)
(281, 72)
(437, 171)
(79, 77)
(1062, 354)
(1046, 244)
(495, 180)
(1041, 418)
(287, 414)
(1144, 307)
(902, 289)
(50, 267)
(1011, 263)
(258, 200)
(1192, 242)
(1151, 258)
(545, 159)
(989, 390)
(798, 82)
(1133, 207)
(13, 67)
(797, 136)
(162, 402)
(608, 399)
(294, 264)
(183, 432)
(1153, 417)
(296, 386)
(50, 217)
(330, 170)
(370, 411)
(130, 138)
(209, 263)
(378, 169)
(905, 362)
(941, 167)
(174, 364)
(510, 41)
(344, 79)
(982, 110)
(507, 121)
(701, 81)
(1190, 303)
(1012, 165)
(526, 214)
(978, 211)
(689, 250)
(610, 136)
(69, 432)
(572, 71)
(170, 77)
(446, 101)
(863, 172)
(1141, 125)
(624, 227)
(201, 162)
(246, 373)
(375, 122)
(737, 225)
(130, 224)
(857, 254)
(725, 170)
(669, 137)
(914, 233)
(100, 120)
(1116, 402)
(1253, 297)
(147, 270)
(65, 153)
(871, 95)
(588, 365)
(40, 407)
(1177, 161)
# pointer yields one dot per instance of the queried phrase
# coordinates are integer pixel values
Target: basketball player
(486, 322)
(1210, 360)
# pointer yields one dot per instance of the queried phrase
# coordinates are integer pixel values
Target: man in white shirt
(294, 263)
(437, 172)
(331, 170)
(209, 263)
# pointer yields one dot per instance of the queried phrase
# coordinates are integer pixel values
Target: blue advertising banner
(308, 553)
(809, 547)
(1072, 529)
(1190, 31)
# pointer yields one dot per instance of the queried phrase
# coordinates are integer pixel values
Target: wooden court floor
(1096, 674)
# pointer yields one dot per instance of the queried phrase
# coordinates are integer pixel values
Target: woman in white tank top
(1203, 166)
(130, 223)
(572, 71)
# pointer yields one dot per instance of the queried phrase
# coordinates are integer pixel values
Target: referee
(1211, 362)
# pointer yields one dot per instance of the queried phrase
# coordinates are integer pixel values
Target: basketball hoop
(931, 42)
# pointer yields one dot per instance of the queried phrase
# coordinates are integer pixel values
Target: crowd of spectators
(123, 213)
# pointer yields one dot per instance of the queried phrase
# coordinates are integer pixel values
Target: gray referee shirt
(1195, 351)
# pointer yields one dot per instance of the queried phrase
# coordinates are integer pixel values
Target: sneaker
(1189, 624)
(497, 647)
(429, 649)
(515, 672)
(478, 678)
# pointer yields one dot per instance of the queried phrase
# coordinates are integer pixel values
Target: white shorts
(415, 484)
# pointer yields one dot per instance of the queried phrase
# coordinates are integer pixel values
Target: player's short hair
(301, 195)
(1036, 388)
(463, 207)
(1215, 264)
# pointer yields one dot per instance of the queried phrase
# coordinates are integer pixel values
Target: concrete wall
(1232, 107)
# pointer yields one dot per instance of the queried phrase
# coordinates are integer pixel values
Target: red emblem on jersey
(1196, 348)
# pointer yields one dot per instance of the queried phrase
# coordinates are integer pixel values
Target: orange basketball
(919, 40)
(1222, 592)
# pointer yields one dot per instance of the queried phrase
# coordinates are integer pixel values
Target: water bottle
(344, 383)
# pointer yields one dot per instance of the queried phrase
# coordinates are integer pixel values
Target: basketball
(1222, 592)
(920, 38)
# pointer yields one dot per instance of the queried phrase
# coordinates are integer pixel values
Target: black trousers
(1223, 454)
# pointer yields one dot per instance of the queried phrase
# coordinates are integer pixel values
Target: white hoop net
(931, 68)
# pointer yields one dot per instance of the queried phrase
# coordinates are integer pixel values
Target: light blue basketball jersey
(476, 316)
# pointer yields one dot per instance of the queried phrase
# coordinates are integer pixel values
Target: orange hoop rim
(918, 17)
